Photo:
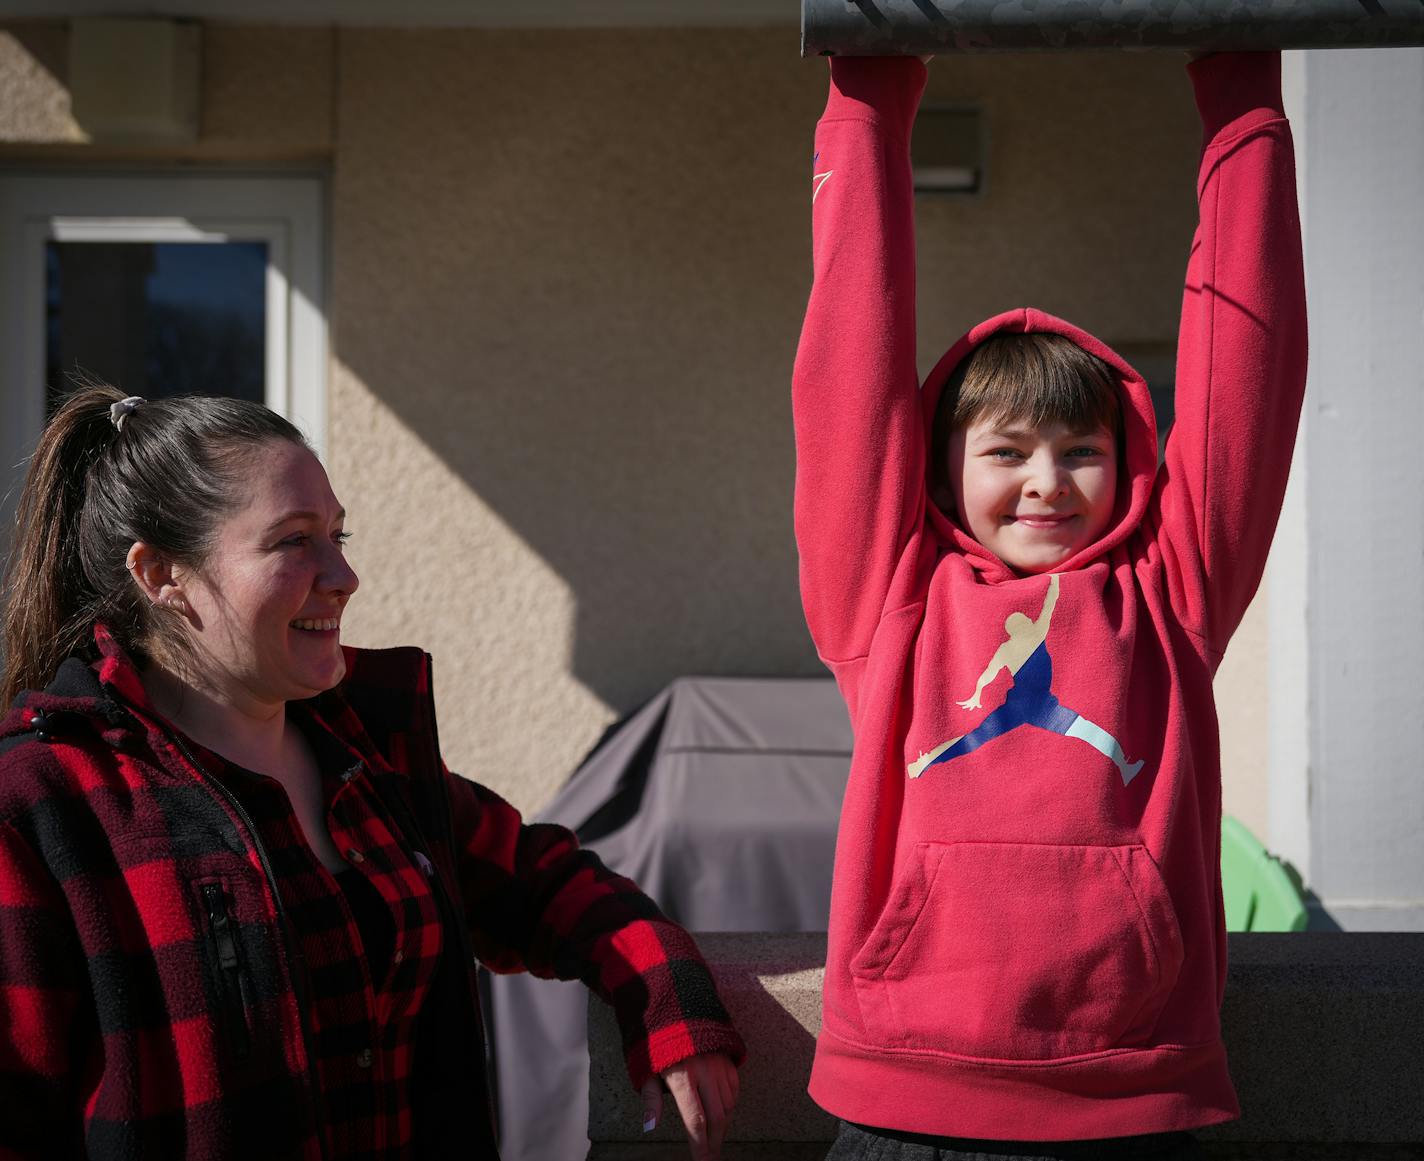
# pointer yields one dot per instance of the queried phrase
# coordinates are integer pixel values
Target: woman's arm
(536, 901)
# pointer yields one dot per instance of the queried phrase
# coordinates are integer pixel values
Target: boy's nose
(1045, 478)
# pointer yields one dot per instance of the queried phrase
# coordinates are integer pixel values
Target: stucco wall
(34, 102)
(266, 94)
(568, 269)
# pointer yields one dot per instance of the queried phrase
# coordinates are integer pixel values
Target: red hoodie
(1026, 935)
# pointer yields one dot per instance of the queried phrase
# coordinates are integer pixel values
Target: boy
(1024, 616)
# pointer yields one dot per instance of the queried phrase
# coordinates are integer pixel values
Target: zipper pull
(222, 926)
(234, 1004)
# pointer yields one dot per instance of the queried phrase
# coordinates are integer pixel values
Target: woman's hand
(705, 1089)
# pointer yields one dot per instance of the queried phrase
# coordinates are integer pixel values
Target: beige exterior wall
(568, 270)
(34, 102)
(267, 95)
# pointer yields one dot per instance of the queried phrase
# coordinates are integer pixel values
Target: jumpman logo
(1030, 702)
(818, 179)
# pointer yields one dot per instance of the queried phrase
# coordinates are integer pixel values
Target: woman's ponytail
(104, 477)
(49, 602)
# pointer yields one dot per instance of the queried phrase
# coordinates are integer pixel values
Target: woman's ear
(156, 578)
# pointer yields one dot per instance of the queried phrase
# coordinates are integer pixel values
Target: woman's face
(266, 606)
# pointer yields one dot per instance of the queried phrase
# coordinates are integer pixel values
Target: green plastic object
(1260, 893)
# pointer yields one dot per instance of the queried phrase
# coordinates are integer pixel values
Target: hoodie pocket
(1020, 951)
(225, 957)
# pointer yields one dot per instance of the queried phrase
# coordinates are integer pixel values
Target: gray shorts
(861, 1143)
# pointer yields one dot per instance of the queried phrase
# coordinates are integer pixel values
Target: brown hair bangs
(1033, 379)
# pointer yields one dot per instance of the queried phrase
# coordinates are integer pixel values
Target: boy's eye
(1005, 453)
(1085, 452)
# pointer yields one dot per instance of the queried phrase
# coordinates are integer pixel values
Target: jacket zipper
(454, 917)
(298, 980)
(234, 1006)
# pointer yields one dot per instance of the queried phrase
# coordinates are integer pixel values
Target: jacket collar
(107, 697)
(80, 697)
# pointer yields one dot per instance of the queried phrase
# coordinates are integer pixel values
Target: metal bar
(918, 27)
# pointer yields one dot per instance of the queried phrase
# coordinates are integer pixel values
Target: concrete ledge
(1324, 1031)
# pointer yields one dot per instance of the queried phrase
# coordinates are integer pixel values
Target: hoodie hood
(1138, 469)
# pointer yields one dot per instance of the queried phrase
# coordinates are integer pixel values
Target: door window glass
(156, 318)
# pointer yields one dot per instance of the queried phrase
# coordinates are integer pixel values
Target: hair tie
(121, 410)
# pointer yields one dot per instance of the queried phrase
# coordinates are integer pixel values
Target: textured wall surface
(268, 89)
(34, 100)
(568, 271)
(266, 93)
(1088, 209)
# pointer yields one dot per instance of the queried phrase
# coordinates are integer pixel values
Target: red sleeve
(855, 391)
(40, 978)
(1242, 349)
(536, 901)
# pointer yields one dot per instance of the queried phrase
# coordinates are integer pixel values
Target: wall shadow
(580, 288)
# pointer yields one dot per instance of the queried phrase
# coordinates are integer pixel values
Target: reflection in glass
(157, 318)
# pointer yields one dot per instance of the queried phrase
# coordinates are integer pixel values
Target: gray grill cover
(720, 798)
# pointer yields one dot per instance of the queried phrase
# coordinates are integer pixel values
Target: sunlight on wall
(440, 569)
(35, 100)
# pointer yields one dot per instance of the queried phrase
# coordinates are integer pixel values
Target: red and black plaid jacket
(154, 1000)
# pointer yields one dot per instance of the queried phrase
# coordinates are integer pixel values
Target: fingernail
(650, 1122)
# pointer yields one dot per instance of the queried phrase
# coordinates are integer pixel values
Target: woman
(241, 899)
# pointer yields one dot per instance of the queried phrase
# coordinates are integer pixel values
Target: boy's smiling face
(1033, 496)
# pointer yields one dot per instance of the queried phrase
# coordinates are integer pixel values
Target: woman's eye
(296, 540)
(341, 537)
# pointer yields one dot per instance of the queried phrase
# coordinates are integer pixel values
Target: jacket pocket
(232, 1000)
(1020, 951)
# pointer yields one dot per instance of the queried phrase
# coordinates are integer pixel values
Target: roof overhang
(431, 13)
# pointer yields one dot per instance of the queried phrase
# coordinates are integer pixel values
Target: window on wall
(156, 318)
(160, 286)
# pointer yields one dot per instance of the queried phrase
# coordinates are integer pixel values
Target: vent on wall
(135, 81)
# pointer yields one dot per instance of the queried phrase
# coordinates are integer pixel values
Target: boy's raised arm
(1241, 352)
(859, 443)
